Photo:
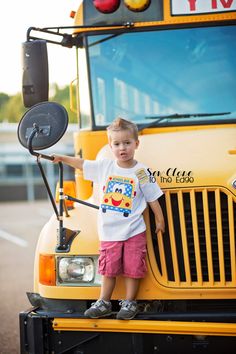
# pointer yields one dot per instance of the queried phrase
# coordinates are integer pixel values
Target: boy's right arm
(159, 218)
(75, 162)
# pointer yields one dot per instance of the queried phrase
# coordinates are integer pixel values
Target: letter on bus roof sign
(195, 7)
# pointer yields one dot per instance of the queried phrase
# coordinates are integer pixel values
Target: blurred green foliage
(12, 109)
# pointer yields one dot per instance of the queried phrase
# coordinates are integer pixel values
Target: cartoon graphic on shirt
(118, 194)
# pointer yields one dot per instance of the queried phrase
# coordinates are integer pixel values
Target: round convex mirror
(51, 121)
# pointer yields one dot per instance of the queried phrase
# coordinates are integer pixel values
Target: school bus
(170, 67)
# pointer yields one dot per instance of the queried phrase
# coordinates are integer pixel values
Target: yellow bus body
(190, 163)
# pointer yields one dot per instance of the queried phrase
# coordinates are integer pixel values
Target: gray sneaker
(129, 310)
(98, 309)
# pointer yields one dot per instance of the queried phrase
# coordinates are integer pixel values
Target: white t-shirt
(123, 194)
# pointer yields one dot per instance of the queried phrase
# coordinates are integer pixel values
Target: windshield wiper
(165, 118)
(187, 115)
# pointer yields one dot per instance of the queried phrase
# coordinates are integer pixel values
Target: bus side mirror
(35, 80)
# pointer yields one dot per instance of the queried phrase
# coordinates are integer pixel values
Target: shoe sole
(100, 316)
(126, 318)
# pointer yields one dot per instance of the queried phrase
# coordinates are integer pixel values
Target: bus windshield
(164, 77)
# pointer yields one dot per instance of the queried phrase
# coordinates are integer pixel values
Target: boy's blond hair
(122, 124)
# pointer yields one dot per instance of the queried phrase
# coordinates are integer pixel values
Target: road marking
(12, 238)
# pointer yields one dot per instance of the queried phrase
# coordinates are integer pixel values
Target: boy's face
(123, 145)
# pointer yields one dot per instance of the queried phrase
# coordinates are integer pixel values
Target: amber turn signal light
(47, 269)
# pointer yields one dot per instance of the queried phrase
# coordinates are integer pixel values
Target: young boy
(125, 190)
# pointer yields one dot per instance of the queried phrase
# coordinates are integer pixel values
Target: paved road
(20, 224)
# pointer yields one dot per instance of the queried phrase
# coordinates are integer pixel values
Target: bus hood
(188, 158)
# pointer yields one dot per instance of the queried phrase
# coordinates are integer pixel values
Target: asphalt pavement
(20, 225)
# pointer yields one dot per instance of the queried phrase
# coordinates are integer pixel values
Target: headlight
(77, 271)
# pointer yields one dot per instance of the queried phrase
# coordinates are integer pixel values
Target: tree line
(12, 108)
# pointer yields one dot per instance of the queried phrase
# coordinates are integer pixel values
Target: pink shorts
(124, 257)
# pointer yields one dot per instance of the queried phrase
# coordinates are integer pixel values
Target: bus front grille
(198, 247)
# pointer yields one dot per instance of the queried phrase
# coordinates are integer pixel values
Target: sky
(15, 18)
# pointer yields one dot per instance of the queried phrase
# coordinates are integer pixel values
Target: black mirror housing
(35, 79)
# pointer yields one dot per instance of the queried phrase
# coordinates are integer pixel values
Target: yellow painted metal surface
(145, 326)
(87, 144)
(208, 151)
(168, 19)
(197, 139)
(206, 157)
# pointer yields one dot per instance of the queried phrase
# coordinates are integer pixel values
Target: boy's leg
(132, 286)
(102, 307)
(108, 285)
(134, 257)
(109, 267)
(129, 307)
(134, 269)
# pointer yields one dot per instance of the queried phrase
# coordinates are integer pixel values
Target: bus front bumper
(145, 326)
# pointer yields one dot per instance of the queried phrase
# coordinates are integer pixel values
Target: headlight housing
(78, 271)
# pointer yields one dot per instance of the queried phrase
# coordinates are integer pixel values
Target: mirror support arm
(29, 143)
(47, 187)
(36, 130)
(65, 236)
